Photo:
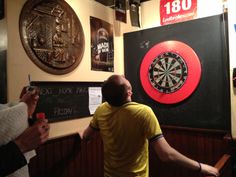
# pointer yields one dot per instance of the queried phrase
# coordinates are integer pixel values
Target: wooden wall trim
(178, 128)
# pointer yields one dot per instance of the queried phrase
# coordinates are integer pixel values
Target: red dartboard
(170, 72)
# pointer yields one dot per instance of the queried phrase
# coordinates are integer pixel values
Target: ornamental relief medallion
(52, 35)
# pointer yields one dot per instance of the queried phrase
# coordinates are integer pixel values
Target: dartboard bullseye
(170, 72)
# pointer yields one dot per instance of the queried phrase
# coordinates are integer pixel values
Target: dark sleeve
(11, 159)
(156, 137)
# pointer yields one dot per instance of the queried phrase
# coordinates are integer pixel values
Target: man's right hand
(33, 136)
(209, 170)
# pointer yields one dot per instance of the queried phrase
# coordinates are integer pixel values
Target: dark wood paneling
(71, 157)
(68, 157)
(202, 145)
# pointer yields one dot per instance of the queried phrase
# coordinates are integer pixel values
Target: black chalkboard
(64, 100)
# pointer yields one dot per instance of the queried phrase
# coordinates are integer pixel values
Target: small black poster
(120, 10)
(102, 48)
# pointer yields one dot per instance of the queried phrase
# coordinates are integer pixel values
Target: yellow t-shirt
(125, 132)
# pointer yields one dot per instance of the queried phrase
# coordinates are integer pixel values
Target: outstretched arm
(166, 153)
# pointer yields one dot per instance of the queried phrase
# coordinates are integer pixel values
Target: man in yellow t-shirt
(127, 128)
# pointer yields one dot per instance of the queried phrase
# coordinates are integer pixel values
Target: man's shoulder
(102, 106)
(136, 105)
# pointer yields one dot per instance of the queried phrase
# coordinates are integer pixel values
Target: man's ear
(129, 92)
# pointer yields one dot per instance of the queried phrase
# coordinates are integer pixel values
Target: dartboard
(170, 72)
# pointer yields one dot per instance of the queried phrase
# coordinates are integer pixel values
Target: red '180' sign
(173, 11)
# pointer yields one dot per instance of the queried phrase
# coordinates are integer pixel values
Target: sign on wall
(120, 10)
(174, 11)
(102, 49)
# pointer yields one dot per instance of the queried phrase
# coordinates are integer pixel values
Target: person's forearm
(88, 133)
(184, 161)
(11, 159)
(167, 153)
(180, 159)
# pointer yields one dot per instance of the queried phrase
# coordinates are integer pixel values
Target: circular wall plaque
(170, 72)
(52, 35)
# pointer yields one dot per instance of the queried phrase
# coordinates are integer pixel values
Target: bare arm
(88, 133)
(166, 153)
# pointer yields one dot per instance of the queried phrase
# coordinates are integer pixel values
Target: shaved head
(115, 90)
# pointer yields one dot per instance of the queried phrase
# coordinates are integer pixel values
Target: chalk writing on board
(65, 100)
(62, 111)
(65, 91)
(80, 90)
(46, 91)
(144, 44)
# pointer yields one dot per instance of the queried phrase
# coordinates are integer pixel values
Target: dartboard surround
(170, 72)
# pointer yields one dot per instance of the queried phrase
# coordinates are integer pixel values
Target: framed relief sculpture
(52, 35)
